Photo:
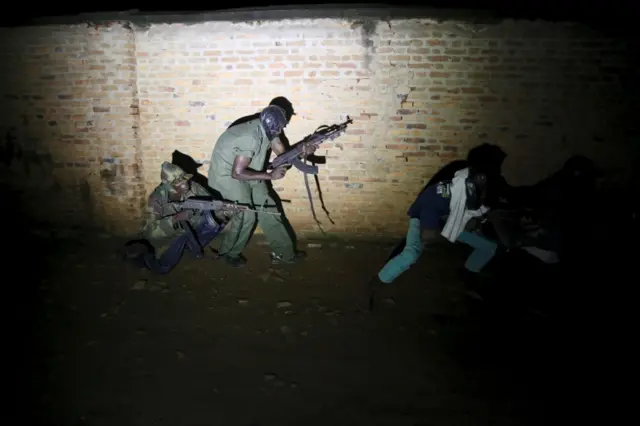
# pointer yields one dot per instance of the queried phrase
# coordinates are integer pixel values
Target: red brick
(472, 90)
(439, 74)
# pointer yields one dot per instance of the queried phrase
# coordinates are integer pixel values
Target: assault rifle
(203, 205)
(292, 156)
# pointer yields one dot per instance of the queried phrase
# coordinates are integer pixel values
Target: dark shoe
(278, 260)
(235, 262)
(134, 253)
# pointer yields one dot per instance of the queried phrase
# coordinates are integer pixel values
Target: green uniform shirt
(248, 140)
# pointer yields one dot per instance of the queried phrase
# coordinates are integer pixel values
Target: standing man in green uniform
(237, 171)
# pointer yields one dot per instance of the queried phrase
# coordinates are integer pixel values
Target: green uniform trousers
(238, 230)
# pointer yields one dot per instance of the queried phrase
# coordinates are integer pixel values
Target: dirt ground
(107, 344)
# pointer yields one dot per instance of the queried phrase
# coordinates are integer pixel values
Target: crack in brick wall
(96, 109)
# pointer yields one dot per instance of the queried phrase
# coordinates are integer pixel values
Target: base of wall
(305, 239)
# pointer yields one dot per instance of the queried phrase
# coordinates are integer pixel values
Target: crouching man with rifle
(177, 219)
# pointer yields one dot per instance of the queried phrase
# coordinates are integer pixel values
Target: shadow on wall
(20, 153)
(27, 168)
(26, 172)
(191, 166)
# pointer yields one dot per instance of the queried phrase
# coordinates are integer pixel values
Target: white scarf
(459, 215)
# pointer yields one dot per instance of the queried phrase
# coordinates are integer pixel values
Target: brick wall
(98, 109)
(69, 120)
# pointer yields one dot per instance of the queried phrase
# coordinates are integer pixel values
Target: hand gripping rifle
(292, 157)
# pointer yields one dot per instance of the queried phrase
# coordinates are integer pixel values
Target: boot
(235, 262)
(135, 251)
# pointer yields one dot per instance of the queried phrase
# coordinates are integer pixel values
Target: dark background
(614, 12)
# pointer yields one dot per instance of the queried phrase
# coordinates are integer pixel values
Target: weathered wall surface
(69, 123)
(421, 94)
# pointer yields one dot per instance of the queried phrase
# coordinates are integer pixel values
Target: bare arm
(277, 146)
(241, 170)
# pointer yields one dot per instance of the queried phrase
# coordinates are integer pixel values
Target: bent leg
(202, 232)
(409, 255)
(169, 257)
(207, 230)
(240, 226)
(484, 250)
(272, 225)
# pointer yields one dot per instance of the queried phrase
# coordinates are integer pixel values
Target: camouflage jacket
(159, 216)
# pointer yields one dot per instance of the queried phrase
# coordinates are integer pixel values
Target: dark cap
(285, 104)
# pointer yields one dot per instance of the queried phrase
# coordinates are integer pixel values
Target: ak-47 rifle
(292, 156)
(217, 205)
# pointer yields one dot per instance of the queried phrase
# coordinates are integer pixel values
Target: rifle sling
(313, 210)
